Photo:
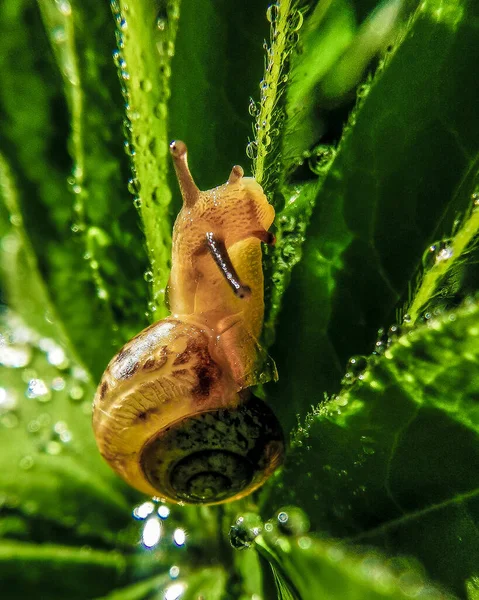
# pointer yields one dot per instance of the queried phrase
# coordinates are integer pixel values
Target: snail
(173, 414)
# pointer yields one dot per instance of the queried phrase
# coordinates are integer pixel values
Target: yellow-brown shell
(172, 422)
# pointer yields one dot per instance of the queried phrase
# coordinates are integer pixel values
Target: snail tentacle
(189, 189)
(221, 257)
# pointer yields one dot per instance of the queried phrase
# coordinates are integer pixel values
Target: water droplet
(137, 203)
(272, 13)
(56, 356)
(15, 356)
(293, 521)
(161, 23)
(407, 318)
(117, 58)
(134, 186)
(61, 432)
(179, 536)
(296, 20)
(59, 35)
(64, 7)
(393, 333)
(174, 591)
(151, 533)
(174, 571)
(76, 392)
(8, 401)
(9, 420)
(357, 364)
(253, 108)
(143, 510)
(363, 90)
(293, 38)
(161, 110)
(26, 462)
(58, 384)
(245, 530)
(321, 159)
(39, 390)
(34, 426)
(437, 252)
(163, 511)
(381, 342)
(53, 448)
(129, 149)
(80, 374)
(252, 150)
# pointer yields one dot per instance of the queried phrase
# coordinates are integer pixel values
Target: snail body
(173, 413)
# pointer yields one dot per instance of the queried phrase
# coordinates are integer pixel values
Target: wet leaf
(387, 461)
(306, 566)
(409, 145)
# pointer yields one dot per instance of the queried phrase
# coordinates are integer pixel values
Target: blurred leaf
(52, 569)
(307, 567)
(48, 449)
(387, 461)
(325, 34)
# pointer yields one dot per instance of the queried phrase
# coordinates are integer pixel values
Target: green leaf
(216, 68)
(326, 33)
(387, 461)
(308, 567)
(73, 198)
(48, 445)
(143, 58)
(25, 568)
(408, 146)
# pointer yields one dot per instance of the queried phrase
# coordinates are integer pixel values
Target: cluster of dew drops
(20, 349)
(166, 49)
(288, 521)
(262, 125)
(157, 533)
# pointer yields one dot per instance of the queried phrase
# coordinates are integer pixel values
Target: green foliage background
(363, 129)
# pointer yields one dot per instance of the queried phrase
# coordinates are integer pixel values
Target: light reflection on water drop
(39, 390)
(174, 591)
(8, 401)
(151, 532)
(163, 511)
(76, 392)
(15, 356)
(58, 384)
(174, 571)
(57, 358)
(179, 536)
(143, 510)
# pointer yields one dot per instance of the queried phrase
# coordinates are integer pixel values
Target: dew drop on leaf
(245, 530)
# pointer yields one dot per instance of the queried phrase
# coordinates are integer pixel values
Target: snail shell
(173, 413)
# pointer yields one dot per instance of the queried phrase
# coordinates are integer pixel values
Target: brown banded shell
(170, 420)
